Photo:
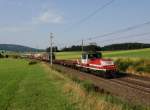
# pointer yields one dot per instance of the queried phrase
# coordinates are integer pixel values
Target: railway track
(132, 84)
(136, 82)
(132, 88)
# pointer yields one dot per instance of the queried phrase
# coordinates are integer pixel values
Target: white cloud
(48, 17)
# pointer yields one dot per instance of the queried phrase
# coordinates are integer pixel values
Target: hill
(16, 48)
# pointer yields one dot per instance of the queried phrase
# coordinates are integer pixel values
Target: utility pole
(82, 46)
(51, 49)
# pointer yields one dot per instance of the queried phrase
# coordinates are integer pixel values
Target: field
(38, 87)
(68, 55)
(140, 53)
(29, 87)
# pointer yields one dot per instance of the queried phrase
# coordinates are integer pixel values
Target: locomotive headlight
(105, 63)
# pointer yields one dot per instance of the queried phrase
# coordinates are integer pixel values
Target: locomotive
(93, 61)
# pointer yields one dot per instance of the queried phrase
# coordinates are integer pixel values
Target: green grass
(139, 53)
(37, 87)
(68, 55)
(29, 87)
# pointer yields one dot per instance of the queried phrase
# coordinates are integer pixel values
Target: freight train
(90, 62)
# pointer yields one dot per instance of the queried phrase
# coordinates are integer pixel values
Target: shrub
(123, 64)
(142, 69)
(136, 66)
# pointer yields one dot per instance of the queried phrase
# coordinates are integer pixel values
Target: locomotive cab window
(83, 56)
(94, 55)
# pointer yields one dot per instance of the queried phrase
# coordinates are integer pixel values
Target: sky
(30, 22)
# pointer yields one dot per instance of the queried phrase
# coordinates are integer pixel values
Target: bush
(123, 64)
(143, 69)
(133, 65)
(140, 69)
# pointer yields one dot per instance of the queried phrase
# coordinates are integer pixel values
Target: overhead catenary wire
(91, 15)
(96, 11)
(123, 30)
(126, 37)
(114, 32)
(120, 31)
(140, 35)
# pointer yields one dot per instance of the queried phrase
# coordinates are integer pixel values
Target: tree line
(112, 47)
(126, 46)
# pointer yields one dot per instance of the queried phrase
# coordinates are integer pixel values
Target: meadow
(139, 53)
(28, 87)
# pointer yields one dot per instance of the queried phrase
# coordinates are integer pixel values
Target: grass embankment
(29, 87)
(83, 95)
(86, 96)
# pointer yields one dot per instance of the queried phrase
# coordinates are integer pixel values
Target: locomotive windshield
(94, 55)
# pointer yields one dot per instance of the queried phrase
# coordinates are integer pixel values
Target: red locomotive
(94, 61)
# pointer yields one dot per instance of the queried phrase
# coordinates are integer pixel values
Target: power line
(92, 14)
(120, 31)
(114, 32)
(95, 12)
(129, 36)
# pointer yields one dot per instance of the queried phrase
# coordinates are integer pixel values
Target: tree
(91, 47)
